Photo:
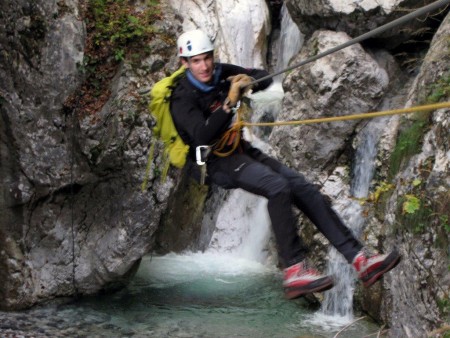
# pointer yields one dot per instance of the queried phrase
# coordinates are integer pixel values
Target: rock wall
(41, 45)
(422, 281)
(239, 29)
(357, 17)
(347, 82)
(73, 219)
(72, 216)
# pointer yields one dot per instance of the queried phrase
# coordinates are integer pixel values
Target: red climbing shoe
(371, 268)
(300, 280)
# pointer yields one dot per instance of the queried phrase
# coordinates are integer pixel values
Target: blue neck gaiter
(206, 88)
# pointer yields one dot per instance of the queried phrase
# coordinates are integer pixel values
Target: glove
(244, 81)
(240, 85)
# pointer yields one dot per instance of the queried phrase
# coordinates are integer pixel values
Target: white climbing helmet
(193, 43)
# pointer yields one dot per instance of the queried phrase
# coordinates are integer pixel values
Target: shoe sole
(392, 261)
(321, 285)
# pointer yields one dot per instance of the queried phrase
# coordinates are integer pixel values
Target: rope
(351, 117)
(365, 36)
(232, 136)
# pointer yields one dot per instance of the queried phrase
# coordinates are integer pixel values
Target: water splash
(338, 302)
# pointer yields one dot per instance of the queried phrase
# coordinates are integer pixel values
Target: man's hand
(240, 85)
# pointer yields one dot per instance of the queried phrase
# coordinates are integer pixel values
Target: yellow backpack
(175, 150)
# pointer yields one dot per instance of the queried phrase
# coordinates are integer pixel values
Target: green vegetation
(382, 188)
(410, 138)
(418, 211)
(116, 31)
(410, 205)
(440, 89)
(419, 208)
(116, 25)
(444, 307)
(409, 143)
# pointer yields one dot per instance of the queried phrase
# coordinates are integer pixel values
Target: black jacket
(198, 116)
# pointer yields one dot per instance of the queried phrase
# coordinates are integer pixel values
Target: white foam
(178, 268)
(328, 322)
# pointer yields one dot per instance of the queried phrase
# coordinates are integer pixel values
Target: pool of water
(190, 295)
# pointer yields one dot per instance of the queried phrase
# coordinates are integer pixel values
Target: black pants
(283, 187)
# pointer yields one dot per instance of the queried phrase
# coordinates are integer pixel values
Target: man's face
(201, 66)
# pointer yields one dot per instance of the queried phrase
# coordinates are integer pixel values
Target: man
(201, 109)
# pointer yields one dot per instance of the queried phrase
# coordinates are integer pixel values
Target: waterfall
(266, 107)
(289, 43)
(243, 228)
(338, 302)
(243, 225)
(365, 156)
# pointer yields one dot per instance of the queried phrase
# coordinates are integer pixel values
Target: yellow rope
(239, 124)
(350, 117)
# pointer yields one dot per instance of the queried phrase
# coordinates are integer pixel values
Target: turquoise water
(191, 295)
(208, 295)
